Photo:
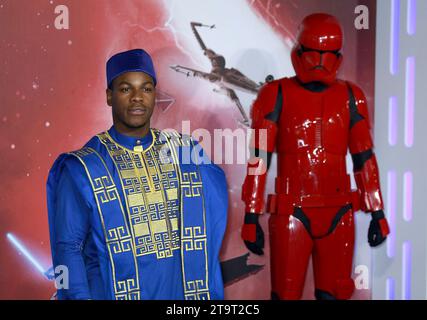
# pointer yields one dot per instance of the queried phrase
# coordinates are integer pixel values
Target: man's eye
(124, 90)
(148, 89)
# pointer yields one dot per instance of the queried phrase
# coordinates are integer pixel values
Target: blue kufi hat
(130, 61)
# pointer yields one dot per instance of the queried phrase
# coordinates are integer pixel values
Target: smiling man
(130, 216)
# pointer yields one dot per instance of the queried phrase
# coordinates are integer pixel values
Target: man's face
(132, 98)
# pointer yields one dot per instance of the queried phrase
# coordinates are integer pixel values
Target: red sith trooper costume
(311, 120)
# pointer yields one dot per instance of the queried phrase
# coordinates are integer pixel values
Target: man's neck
(133, 132)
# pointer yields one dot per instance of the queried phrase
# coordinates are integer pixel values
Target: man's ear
(109, 95)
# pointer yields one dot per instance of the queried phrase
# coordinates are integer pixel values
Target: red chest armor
(312, 140)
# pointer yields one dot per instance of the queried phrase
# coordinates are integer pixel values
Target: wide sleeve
(69, 227)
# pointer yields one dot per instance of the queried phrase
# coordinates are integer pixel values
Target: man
(131, 215)
(312, 119)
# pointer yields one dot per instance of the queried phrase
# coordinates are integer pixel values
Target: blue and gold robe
(137, 218)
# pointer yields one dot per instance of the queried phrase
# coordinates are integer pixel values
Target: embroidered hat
(130, 61)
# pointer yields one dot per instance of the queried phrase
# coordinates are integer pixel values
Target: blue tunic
(129, 225)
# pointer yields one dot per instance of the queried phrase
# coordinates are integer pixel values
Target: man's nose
(137, 96)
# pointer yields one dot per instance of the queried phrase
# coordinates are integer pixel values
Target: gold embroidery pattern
(119, 240)
(196, 290)
(82, 152)
(104, 189)
(127, 290)
(191, 184)
(193, 238)
(176, 139)
(151, 189)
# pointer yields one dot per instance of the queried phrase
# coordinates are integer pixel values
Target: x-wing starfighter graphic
(227, 79)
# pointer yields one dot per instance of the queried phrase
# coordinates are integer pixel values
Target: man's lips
(137, 111)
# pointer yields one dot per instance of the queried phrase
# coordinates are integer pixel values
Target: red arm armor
(365, 165)
(263, 142)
